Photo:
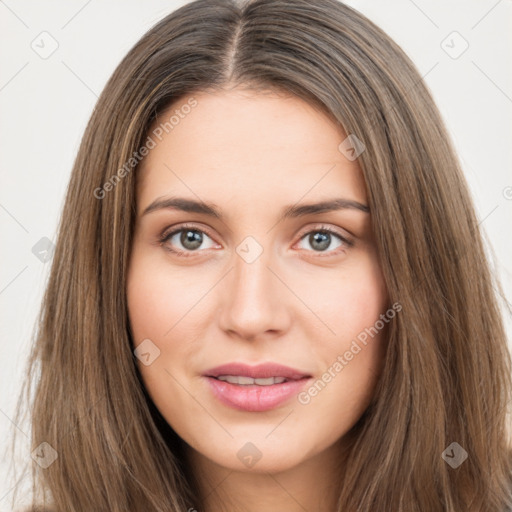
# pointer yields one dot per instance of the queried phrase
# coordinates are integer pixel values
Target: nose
(255, 301)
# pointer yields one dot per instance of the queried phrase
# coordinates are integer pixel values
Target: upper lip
(260, 371)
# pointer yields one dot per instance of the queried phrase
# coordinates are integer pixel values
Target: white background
(45, 105)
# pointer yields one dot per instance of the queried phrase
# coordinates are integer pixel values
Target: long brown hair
(447, 372)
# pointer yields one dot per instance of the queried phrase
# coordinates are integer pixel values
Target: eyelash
(166, 236)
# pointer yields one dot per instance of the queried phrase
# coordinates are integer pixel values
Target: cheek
(352, 356)
(158, 304)
(151, 305)
(159, 298)
(354, 304)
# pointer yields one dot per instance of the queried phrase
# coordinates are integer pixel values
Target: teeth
(248, 381)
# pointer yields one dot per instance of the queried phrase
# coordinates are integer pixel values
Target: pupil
(322, 238)
(191, 239)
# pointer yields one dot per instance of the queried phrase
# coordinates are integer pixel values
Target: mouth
(255, 388)
(247, 374)
(242, 380)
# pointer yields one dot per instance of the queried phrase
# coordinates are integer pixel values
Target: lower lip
(254, 398)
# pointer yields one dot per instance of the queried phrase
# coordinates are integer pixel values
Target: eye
(188, 238)
(321, 239)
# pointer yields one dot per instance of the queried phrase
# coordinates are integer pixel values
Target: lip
(260, 371)
(254, 398)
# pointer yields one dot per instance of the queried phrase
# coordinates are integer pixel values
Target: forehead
(249, 143)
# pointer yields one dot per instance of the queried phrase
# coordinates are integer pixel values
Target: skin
(296, 304)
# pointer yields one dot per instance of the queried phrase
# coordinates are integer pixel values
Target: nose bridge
(253, 302)
(252, 276)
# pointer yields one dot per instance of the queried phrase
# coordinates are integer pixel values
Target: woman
(269, 290)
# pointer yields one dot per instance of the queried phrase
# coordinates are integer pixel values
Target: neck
(311, 485)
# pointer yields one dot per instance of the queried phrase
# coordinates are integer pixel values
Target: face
(262, 281)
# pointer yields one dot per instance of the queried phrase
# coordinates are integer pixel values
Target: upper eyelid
(176, 229)
(323, 227)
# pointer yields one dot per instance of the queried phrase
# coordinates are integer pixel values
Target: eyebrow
(290, 211)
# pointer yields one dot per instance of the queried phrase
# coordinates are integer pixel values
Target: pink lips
(255, 398)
